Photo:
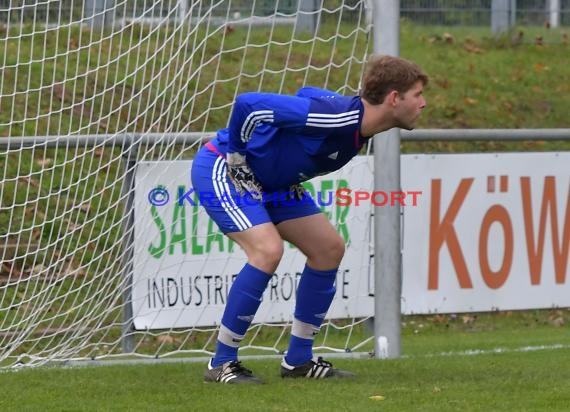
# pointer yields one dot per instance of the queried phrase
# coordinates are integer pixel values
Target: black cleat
(314, 369)
(230, 372)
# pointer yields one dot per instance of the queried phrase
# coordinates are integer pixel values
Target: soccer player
(273, 143)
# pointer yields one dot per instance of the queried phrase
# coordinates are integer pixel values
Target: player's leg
(319, 241)
(262, 245)
(324, 249)
(304, 225)
(316, 237)
(264, 248)
(250, 226)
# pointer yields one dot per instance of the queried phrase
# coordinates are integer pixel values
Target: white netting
(90, 91)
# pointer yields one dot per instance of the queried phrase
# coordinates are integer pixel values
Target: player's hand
(242, 176)
(297, 191)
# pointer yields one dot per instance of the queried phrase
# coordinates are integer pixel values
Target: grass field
(513, 361)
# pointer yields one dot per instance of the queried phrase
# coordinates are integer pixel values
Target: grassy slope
(481, 82)
(477, 81)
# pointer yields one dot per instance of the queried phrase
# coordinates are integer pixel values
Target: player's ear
(392, 97)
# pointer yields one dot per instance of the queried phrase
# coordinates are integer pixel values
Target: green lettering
(157, 251)
(310, 188)
(178, 220)
(341, 212)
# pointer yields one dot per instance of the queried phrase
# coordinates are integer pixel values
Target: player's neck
(377, 118)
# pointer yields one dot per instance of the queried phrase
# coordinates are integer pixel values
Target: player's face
(410, 106)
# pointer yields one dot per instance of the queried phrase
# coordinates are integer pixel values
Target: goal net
(104, 102)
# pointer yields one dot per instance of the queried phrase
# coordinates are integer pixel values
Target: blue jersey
(290, 139)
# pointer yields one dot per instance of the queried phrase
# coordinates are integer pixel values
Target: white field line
(475, 352)
(351, 355)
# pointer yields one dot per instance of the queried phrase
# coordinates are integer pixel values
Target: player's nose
(423, 102)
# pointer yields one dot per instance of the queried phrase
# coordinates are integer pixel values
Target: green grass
(481, 81)
(436, 373)
(478, 80)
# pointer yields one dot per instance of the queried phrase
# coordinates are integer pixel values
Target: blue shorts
(233, 212)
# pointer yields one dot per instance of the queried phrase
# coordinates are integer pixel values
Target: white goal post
(92, 91)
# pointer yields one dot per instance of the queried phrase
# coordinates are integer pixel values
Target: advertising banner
(480, 232)
(184, 266)
(492, 232)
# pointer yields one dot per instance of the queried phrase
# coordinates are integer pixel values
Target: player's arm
(251, 109)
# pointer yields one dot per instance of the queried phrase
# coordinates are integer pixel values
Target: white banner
(480, 232)
(492, 232)
(184, 266)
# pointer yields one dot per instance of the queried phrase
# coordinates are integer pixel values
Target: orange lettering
(560, 246)
(442, 231)
(496, 279)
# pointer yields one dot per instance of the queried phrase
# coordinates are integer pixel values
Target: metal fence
(554, 13)
(479, 12)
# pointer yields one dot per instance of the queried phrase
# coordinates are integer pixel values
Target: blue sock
(314, 296)
(243, 301)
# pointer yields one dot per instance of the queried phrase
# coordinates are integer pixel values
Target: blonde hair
(386, 73)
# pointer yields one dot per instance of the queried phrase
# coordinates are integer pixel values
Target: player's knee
(336, 249)
(266, 255)
(328, 253)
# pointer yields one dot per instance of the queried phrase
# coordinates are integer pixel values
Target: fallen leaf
(467, 319)
(85, 207)
(448, 38)
(538, 67)
(44, 162)
(439, 319)
(472, 49)
(377, 398)
(165, 339)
